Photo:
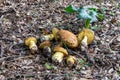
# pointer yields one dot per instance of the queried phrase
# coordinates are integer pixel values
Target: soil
(20, 19)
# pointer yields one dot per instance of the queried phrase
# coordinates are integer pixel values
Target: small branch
(90, 59)
(2, 51)
(5, 39)
(12, 50)
(73, 52)
(108, 44)
(13, 58)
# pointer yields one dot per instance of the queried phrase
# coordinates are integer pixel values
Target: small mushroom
(31, 43)
(68, 38)
(54, 32)
(45, 44)
(46, 48)
(50, 36)
(85, 37)
(71, 60)
(59, 53)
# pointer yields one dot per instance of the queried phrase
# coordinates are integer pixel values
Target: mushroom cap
(60, 49)
(27, 40)
(68, 38)
(71, 60)
(86, 32)
(54, 32)
(45, 43)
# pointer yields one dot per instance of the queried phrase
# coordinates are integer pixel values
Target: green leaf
(83, 14)
(88, 13)
(87, 23)
(49, 66)
(101, 16)
(71, 9)
(81, 61)
(94, 9)
(96, 28)
(118, 71)
(90, 64)
(93, 15)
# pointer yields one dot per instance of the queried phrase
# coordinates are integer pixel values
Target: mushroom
(31, 43)
(46, 48)
(71, 60)
(85, 37)
(54, 32)
(59, 53)
(68, 38)
(50, 36)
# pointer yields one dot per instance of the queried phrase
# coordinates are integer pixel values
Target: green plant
(50, 66)
(119, 71)
(81, 63)
(89, 14)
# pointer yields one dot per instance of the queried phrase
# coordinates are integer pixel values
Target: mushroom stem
(47, 49)
(31, 43)
(47, 37)
(51, 36)
(33, 46)
(54, 32)
(71, 60)
(59, 54)
(58, 57)
(84, 43)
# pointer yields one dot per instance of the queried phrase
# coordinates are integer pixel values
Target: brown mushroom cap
(60, 49)
(68, 38)
(86, 32)
(45, 43)
(27, 40)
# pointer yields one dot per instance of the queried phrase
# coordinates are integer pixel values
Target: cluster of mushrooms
(83, 39)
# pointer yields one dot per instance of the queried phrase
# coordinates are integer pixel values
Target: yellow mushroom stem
(58, 57)
(51, 36)
(71, 60)
(33, 46)
(47, 37)
(54, 32)
(84, 43)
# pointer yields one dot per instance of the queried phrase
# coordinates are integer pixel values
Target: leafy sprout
(49, 66)
(81, 63)
(119, 71)
(71, 9)
(89, 14)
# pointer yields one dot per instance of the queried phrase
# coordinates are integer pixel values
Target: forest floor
(20, 19)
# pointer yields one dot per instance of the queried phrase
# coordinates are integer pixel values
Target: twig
(72, 1)
(113, 39)
(5, 39)
(13, 45)
(9, 10)
(91, 59)
(73, 52)
(2, 51)
(13, 58)
(6, 58)
(108, 44)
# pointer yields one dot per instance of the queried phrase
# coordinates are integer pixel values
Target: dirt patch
(22, 18)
